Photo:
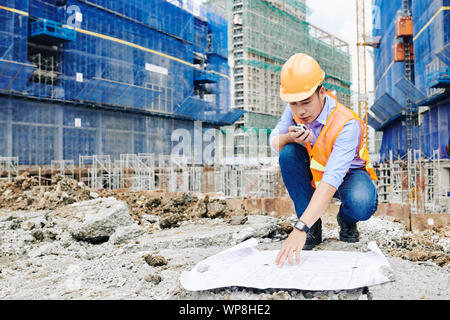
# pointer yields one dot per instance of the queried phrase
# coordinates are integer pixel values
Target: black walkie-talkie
(300, 127)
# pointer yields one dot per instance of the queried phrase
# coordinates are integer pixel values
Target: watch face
(301, 226)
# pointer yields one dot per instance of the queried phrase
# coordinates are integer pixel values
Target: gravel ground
(40, 259)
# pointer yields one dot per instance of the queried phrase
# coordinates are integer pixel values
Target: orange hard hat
(300, 77)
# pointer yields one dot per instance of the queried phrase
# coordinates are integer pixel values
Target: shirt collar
(327, 108)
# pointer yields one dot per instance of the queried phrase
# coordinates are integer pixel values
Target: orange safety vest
(320, 153)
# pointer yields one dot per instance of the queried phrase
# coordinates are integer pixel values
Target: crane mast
(361, 43)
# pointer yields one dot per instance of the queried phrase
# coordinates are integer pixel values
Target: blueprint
(245, 266)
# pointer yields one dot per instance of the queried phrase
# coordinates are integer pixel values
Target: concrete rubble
(97, 220)
(85, 244)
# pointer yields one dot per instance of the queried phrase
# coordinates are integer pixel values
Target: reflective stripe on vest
(362, 152)
(316, 165)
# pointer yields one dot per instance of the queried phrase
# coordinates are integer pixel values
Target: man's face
(309, 109)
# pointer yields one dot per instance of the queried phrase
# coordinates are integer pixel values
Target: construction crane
(361, 43)
(404, 31)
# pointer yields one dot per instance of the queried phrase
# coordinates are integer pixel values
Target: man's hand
(292, 246)
(300, 136)
(293, 136)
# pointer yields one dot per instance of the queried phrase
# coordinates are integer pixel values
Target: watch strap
(300, 225)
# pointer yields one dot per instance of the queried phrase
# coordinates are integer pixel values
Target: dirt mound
(24, 193)
(170, 209)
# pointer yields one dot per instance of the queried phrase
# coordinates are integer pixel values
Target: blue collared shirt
(344, 155)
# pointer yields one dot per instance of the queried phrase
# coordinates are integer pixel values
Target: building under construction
(412, 103)
(99, 77)
(262, 35)
(96, 89)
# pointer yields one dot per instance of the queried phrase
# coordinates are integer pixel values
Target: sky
(338, 17)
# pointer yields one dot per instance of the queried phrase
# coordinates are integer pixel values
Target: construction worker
(324, 160)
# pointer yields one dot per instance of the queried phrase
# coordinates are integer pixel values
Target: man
(328, 159)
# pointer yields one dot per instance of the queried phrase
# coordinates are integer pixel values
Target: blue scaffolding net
(431, 100)
(15, 70)
(112, 76)
(144, 49)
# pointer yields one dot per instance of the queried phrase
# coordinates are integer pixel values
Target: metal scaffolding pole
(65, 168)
(9, 168)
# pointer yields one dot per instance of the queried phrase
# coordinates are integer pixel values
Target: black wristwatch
(300, 225)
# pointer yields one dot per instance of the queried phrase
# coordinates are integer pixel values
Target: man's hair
(318, 88)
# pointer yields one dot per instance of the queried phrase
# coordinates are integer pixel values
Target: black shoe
(348, 232)
(314, 236)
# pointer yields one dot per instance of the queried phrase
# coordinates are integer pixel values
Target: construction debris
(24, 193)
(155, 261)
(100, 244)
(153, 278)
(431, 245)
(96, 220)
(47, 261)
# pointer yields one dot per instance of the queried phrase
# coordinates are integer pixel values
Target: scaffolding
(99, 171)
(136, 171)
(263, 35)
(248, 181)
(117, 175)
(196, 179)
(146, 171)
(162, 174)
(228, 181)
(9, 168)
(260, 182)
(65, 168)
(413, 179)
(424, 177)
(45, 77)
(433, 194)
(178, 174)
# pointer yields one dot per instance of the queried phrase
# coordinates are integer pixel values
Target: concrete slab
(207, 233)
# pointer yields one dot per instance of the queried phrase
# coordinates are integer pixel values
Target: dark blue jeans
(358, 194)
